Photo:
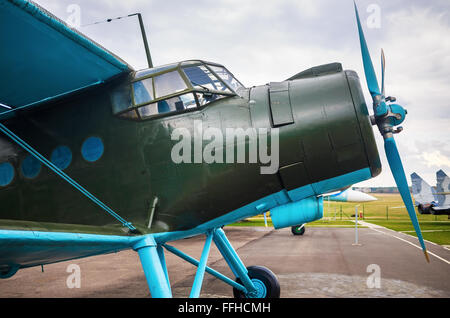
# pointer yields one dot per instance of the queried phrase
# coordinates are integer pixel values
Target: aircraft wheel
(298, 230)
(266, 283)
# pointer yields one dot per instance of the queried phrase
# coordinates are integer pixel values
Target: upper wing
(41, 58)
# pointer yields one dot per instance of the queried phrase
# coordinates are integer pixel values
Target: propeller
(387, 117)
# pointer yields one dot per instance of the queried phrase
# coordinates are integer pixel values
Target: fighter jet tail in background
(423, 193)
(428, 199)
(443, 193)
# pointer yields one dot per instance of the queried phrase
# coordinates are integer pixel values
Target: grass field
(389, 211)
(259, 221)
(437, 232)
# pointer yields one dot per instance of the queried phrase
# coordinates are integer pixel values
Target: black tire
(298, 230)
(265, 281)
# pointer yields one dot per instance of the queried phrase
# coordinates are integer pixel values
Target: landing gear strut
(251, 282)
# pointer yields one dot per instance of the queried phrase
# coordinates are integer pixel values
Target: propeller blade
(395, 163)
(383, 69)
(369, 71)
(386, 117)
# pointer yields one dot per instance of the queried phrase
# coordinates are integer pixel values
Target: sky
(264, 41)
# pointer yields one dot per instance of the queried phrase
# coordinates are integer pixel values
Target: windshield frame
(190, 88)
(179, 67)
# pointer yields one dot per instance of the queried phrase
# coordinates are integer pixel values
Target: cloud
(263, 41)
(417, 46)
(418, 56)
(436, 159)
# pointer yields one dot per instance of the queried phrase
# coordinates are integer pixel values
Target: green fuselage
(327, 134)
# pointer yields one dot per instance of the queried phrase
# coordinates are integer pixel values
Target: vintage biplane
(85, 151)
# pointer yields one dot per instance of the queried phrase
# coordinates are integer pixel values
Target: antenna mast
(144, 36)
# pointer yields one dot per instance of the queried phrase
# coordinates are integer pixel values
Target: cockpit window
(169, 83)
(121, 99)
(226, 76)
(202, 78)
(150, 71)
(174, 104)
(205, 98)
(143, 91)
(173, 88)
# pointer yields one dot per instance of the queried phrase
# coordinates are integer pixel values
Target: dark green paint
(325, 132)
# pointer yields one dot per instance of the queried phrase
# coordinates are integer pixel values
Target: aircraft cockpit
(173, 88)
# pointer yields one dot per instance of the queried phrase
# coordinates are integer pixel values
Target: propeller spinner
(387, 117)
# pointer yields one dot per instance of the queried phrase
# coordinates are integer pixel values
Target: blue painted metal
(301, 193)
(92, 149)
(400, 112)
(227, 251)
(153, 268)
(262, 207)
(339, 197)
(234, 261)
(6, 173)
(395, 163)
(386, 124)
(160, 251)
(350, 195)
(40, 46)
(33, 248)
(238, 214)
(369, 70)
(10, 112)
(58, 171)
(271, 201)
(261, 289)
(30, 167)
(198, 280)
(336, 183)
(209, 270)
(223, 252)
(61, 157)
(300, 212)
(381, 109)
(330, 185)
(27, 249)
